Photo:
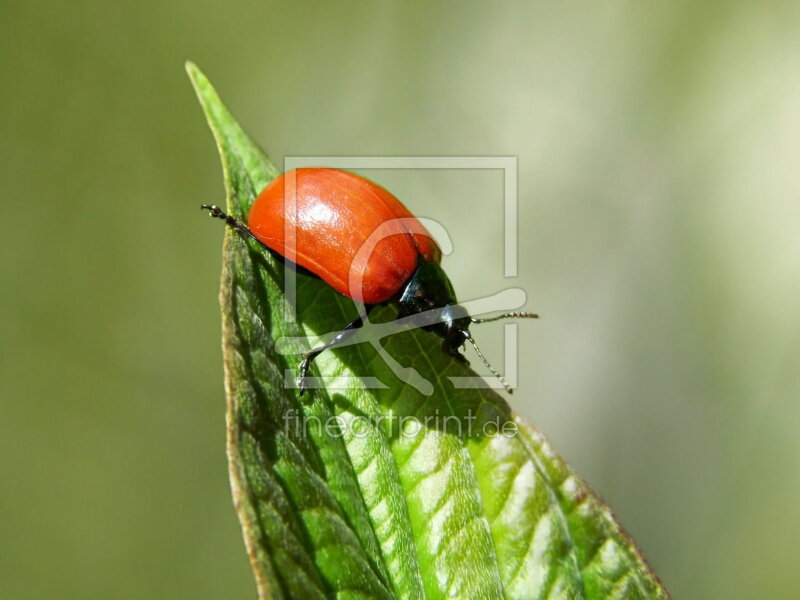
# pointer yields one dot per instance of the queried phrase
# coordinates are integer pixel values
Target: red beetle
(361, 240)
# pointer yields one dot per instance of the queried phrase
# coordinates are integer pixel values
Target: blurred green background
(659, 196)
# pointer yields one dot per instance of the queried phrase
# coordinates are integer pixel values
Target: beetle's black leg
(454, 352)
(239, 227)
(340, 337)
(244, 231)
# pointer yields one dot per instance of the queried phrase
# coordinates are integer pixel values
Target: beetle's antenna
(494, 371)
(511, 315)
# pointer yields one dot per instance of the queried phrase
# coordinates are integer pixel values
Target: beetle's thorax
(430, 294)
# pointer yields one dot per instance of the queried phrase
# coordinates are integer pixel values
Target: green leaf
(387, 493)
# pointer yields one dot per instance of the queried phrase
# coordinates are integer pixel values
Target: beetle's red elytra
(332, 214)
(363, 242)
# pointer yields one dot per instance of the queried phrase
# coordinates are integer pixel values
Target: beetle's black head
(430, 294)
